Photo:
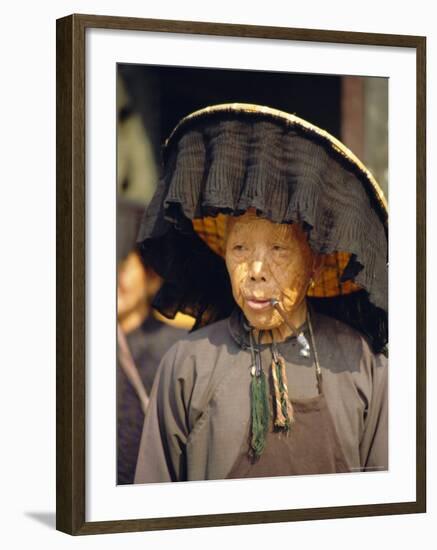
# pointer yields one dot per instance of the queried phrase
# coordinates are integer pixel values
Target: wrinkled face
(267, 260)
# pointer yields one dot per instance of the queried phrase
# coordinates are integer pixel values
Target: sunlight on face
(267, 260)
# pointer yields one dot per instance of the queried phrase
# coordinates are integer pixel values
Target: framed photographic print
(240, 274)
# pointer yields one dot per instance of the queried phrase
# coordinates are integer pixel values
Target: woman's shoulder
(206, 338)
(200, 349)
(331, 325)
(343, 340)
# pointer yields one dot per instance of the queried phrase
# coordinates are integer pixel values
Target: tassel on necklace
(259, 403)
(284, 415)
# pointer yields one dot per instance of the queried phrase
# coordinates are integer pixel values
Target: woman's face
(265, 261)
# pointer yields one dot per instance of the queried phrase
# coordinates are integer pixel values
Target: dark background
(163, 95)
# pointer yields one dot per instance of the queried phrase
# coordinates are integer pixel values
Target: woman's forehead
(250, 224)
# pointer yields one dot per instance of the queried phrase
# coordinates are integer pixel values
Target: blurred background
(150, 102)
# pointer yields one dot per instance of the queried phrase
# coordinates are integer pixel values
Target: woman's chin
(262, 320)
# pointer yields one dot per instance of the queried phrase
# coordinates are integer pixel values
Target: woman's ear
(318, 264)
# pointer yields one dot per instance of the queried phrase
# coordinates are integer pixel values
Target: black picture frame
(71, 254)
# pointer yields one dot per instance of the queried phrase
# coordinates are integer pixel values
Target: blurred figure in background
(142, 335)
(137, 163)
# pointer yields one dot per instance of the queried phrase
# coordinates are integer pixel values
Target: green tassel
(260, 413)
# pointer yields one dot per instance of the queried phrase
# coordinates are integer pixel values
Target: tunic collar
(239, 329)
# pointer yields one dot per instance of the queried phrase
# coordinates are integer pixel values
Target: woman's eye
(278, 247)
(238, 247)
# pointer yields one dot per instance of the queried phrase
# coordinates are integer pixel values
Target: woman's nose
(258, 271)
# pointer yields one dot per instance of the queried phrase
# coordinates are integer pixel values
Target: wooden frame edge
(70, 274)
(421, 464)
(246, 518)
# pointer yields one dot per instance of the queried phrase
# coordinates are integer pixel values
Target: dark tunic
(198, 420)
(147, 344)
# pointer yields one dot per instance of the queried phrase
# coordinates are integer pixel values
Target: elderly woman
(273, 236)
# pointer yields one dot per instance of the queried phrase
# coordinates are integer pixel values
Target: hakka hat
(224, 159)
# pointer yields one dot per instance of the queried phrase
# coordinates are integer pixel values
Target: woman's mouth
(258, 304)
